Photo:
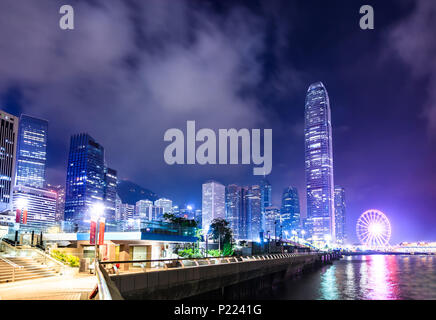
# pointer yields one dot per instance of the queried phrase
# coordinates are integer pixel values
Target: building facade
(110, 193)
(290, 211)
(213, 203)
(144, 210)
(254, 207)
(8, 152)
(31, 152)
(164, 203)
(85, 184)
(272, 222)
(60, 200)
(340, 215)
(40, 205)
(319, 164)
(233, 207)
(266, 194)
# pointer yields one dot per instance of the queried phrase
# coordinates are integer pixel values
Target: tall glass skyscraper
(254, 213)
(85, 183)
(213, 203)
(110, 193)
(319, 164)
(233, 208)
(340, 216)
(8, 148)
(32, 151)
(290, 211)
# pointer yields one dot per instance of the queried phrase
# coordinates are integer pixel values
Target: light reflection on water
(372, 277)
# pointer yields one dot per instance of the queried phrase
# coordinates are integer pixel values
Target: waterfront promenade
(73, 287)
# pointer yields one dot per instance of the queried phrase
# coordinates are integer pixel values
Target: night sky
(133, 69)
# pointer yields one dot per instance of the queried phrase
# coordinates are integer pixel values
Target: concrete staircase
(30, 269)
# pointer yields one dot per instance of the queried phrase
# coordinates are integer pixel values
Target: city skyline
(376, 122)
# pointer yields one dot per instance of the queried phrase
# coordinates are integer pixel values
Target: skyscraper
(60, 200)
(233, 206)
(85, 178)
(8, 149)
(272, 222)
(144, 209)
(244, 222)
(32, 151)
(254, 213)
(340, 215)
(213, 203)
(290, 211)
(110, 193)
(164, 203)
(266, 198)
(266, 191)
(319, 164)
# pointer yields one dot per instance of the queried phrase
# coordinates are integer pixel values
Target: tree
(221, 231)
(179, 221)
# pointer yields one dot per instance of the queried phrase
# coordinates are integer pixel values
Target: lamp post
(97, 211)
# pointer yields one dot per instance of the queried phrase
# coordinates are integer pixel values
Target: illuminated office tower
(144, 210)
(164, 203)
(254, 213)
(110, 193)
(340, 215)
(118, 204)
(290, 211)
(60, 200)
(31, 152)
(40, 205)
(272, 222)
(8, 149)
(233, 206)
(319, 164)
(213, 203)
(127, 211)
(85, 184)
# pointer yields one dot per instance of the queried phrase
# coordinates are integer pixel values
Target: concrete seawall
(182, 283)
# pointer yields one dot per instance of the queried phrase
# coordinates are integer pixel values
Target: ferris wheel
(373, 228)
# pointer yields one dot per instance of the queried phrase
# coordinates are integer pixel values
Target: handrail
(13, 265)
(278, 255)
(103, 290)
(45, 255)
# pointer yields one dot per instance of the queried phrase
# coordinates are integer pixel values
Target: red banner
(101, 232)
(25, 216)
(18, 216)
(92, 232)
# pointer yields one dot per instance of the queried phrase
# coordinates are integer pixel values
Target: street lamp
(97, 213)
(303, 233)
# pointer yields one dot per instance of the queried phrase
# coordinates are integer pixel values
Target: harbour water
(370, 277)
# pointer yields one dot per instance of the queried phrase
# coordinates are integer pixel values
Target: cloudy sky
(133, 69)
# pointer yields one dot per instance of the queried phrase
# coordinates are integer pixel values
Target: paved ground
(54, 288)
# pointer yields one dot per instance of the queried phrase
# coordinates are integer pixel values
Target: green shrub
(69, 259)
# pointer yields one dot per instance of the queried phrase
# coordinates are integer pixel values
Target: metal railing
(13, 265)
(172, 263)
(27, 251)
(103, 289)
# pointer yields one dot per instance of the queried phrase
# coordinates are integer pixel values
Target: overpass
(226, 277)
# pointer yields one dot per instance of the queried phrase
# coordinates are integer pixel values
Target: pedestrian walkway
(75, 287)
